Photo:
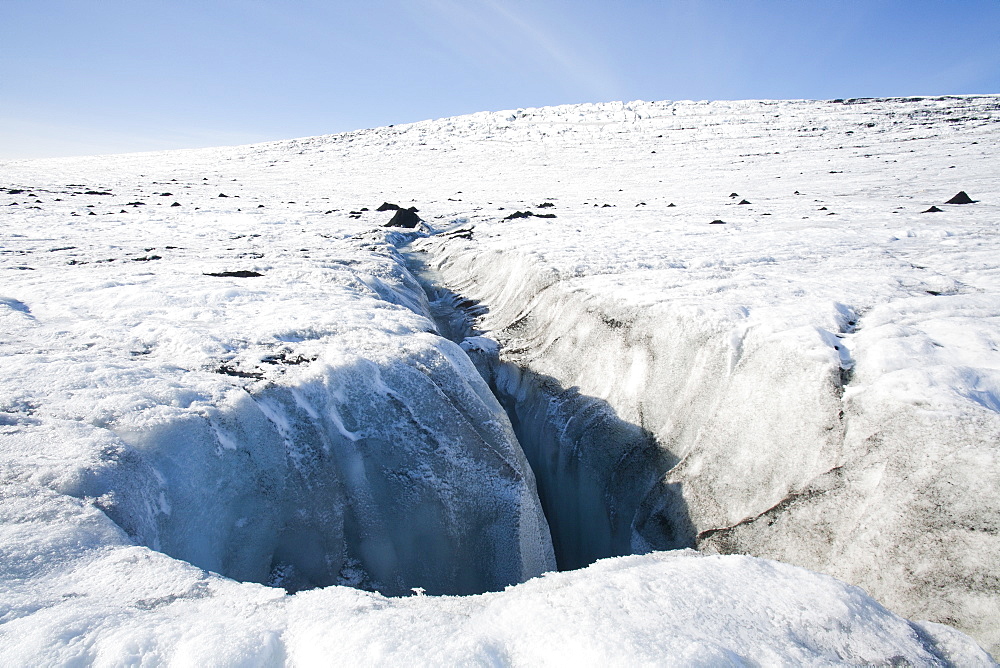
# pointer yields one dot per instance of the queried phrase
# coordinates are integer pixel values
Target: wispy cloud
(506, 35)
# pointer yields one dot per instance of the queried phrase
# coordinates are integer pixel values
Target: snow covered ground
(228, 367)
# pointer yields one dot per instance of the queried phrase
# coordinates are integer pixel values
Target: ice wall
(759, 449)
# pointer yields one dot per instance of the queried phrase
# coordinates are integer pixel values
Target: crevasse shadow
(600, 478)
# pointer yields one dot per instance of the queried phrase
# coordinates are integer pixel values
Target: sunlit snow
(244, 423)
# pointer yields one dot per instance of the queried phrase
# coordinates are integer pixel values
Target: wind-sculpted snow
(220, 384)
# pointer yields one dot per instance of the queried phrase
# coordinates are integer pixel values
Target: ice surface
(817, 388)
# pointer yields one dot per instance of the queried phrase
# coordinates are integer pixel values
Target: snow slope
(821, 389)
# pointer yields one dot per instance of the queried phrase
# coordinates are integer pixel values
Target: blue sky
(100, 76)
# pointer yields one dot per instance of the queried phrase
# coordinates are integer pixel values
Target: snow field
(684, 383)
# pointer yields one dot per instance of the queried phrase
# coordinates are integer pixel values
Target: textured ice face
(386, 474)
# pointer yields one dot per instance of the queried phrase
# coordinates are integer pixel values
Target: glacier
(243, 423)
(268, 458)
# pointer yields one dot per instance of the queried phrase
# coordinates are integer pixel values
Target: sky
(81, 77)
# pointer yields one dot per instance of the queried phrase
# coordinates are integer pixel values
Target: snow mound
(93, 598)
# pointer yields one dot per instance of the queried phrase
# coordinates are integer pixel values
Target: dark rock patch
(96, 192)
(519, 214)
(822, 208)
(733, 195)
(283, 358)
(166, 194)
(961, 198)
(461, 233)
(545, 205)
(147, 258)
(386, 206)
(243, 273)
(223, 195)
(229, 370)
(743, 201)
(407, 218)
(717, 222)
(933, 209)
(176, 204)
(671, 205)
